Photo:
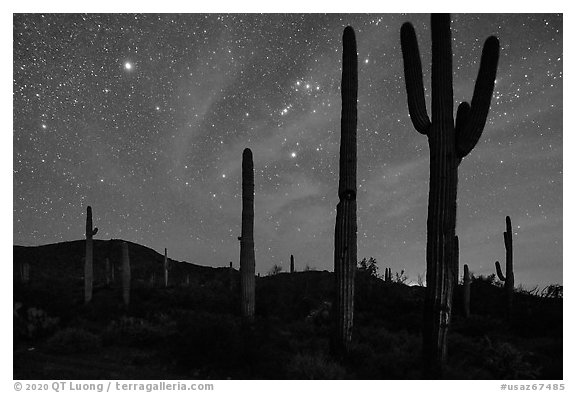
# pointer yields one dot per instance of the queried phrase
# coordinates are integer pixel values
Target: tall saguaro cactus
(247, 257)
(291, 263)
(509, 278)
(466, 295)
(165, 267)
(449, 143)
(346, 227)
(125, 274)
(88, 263)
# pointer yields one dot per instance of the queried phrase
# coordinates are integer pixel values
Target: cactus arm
(499, 272)
(462, 117)
(413, 79)
(471, 132)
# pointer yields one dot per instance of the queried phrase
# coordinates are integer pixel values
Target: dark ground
(192, 328)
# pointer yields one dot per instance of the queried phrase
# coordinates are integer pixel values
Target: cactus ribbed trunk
(166, 268)
(24, 273)
(247, 257)
(346, 227)
(231, 278)
(125, 273)
(448, 143)
(108, 272)
(508, 279)
(88, 263)
(291, 263)
(466, 295)
(441, 264)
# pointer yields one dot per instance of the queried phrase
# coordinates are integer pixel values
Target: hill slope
(192, 330)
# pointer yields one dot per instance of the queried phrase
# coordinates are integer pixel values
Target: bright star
(128, 65)
(293, 154)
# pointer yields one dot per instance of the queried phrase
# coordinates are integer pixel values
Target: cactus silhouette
(88, 263)
(466, 295)
(508, 279)
(291, 263)
(165, 267)
(125, 274)
(247, 258)
(24, 272)
(448, 143)
(346, 227)
(109, 271)
(388, 274)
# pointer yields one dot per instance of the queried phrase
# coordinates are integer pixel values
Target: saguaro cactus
(109, 271)
(466, 295)
(345, 229)
(247, 257)
(24, 272)
(88, 264)
(449, 143)
(165, 267)
(291, 263)
(509, 278)
(125, 273)
(388, 275)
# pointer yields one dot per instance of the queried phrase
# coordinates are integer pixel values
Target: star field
(144, 117)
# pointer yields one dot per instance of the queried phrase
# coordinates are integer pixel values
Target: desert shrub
(380, 354)
(203, 339)
(138, 331)
(507, 362)
(72, 340)
(368, 266)
(479, 325)
(39, 323)
(314, 366)
(275, 270)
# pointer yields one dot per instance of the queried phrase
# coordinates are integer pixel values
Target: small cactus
(466, 295)
(247, 258)
(165, 267)
(449, 143)
(508, 279)
(88, 263)
(24, 272)
(291, 263)
(125, 274)
(388, 275)
(345, 246)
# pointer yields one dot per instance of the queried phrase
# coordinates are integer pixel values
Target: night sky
(144, 117)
